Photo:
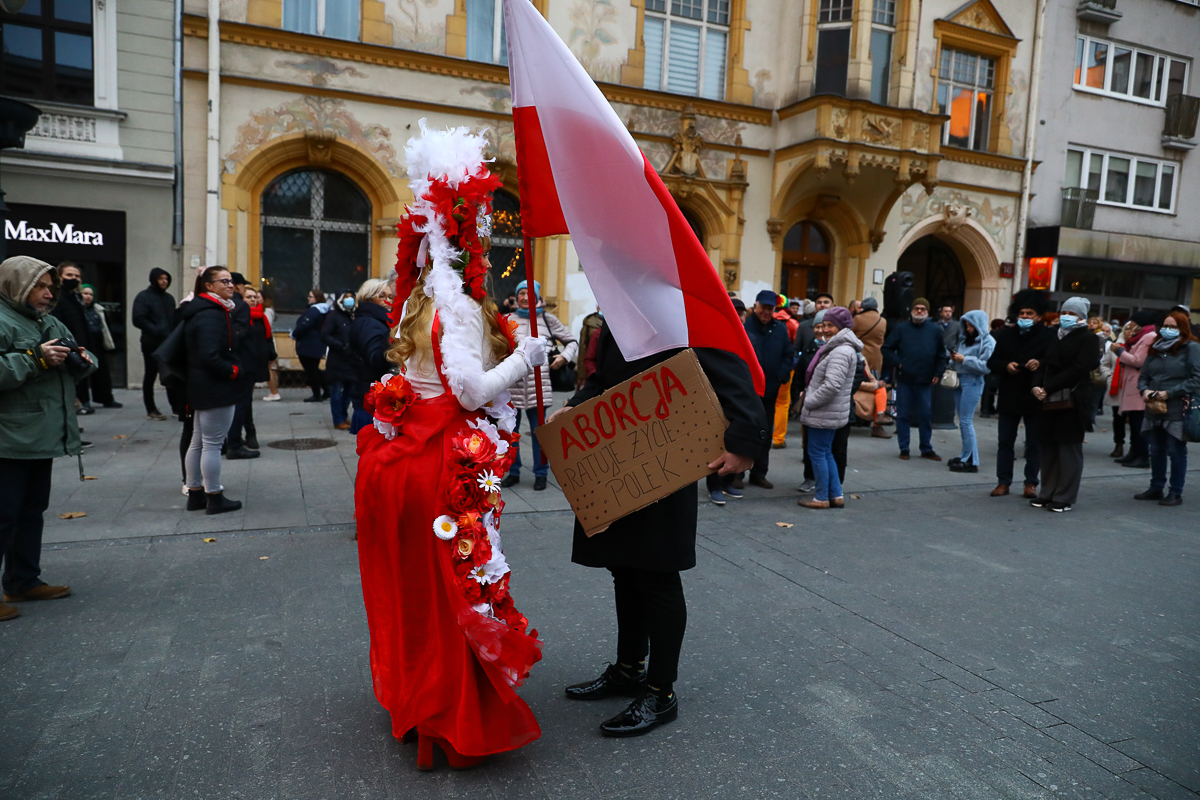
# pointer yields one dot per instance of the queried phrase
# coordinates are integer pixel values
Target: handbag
(1157, 406)
(171, 357)
(949, 379)
(1191, 418)
(1059, 401)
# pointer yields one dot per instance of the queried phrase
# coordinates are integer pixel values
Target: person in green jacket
(37, 420)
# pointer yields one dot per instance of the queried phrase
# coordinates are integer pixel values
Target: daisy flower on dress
(445, 527)
(492, 571)
(489, 482)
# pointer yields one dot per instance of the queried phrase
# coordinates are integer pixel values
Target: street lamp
(15, 119)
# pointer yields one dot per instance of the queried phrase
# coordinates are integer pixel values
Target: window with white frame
(485, 32)
(833, 46)
(686, 46)
(47, 51)
(337, 19)
(966, 82)
(883, 31)
(1130, 73)
(1123, 180)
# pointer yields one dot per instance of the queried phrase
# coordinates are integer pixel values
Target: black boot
(196, 500)
(240, 452)
(251, 438)
(218, 503)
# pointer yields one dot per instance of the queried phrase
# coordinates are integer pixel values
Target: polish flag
(582, 174)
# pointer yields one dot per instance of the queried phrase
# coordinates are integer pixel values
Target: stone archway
(242, 192)
(978, 255)
(850, 245)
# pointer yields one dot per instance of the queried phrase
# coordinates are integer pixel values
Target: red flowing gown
(437, 663)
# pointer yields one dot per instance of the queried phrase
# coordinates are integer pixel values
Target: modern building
(95, 181)
(1115, 209)
(813, 144)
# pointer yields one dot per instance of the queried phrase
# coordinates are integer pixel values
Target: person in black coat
(70, 312)
(771, 344)
(1063, 384)
(244, 350)
(1016, 358)
(916, 349)
(370, 336)
(154, 316)
(340, 363)
(212, 387)
(646, 551)
(309, 347)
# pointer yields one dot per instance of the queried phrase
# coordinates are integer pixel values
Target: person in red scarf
(258, 351)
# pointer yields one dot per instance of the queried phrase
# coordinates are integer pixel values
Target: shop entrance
(937, 273)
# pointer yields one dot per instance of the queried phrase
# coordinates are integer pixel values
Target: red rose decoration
(474, 448)
(463, 493)
(392, 399)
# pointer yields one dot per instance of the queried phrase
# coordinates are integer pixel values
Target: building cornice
(865, 106)
(75, 167)
(983, 159)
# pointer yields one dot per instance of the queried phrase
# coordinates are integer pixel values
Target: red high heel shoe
(456, 760)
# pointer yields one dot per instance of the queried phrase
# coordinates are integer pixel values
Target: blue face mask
(1068, 321)
(348, 303)
(1169, 333)
(1024, 324)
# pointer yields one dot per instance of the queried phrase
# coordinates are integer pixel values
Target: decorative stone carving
(320, 146)
(838, 122)
(825, 202)
(878, 129)
(877, 235)
(774, 228)
(685, 160)
(954, 216)
(65, 127)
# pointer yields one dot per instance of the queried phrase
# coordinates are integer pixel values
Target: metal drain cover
(302, 444)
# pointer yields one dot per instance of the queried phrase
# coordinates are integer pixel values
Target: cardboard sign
(636, 443)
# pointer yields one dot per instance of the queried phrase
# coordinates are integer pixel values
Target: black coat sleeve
(942, 359)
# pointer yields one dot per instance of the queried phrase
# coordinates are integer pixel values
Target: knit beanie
(839, 316)
(1078, 306)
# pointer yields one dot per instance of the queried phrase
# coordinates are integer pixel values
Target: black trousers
(24, 498)
(99, 382)
(243, 416)
(1118, 423)
(651, 619)
(1138, 446)
(1006, 429)
(763, 460)
(841, 440)
(185, 441)
(174, 396)
(312, 374)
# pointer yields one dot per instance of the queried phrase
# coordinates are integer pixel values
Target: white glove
(534, 350)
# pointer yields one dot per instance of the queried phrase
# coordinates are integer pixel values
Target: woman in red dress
(447, 645)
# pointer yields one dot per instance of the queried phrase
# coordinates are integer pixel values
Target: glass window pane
(683, 59)
(70, 10)
(881, 65)
(714, 65)
(1143, 183)
(1166, 186)
(833, 61)
(987, 72)
(289, 196)
(1081, 280)
(481, 19)
(287, 256)
(983, 121)
(656, 5)
(965, 67)
(22, 68)
(1116, 184)
(652, 35)
(1074, 168)
(1120, 70)
(718, 11)
(73, 68)
(1175, 79)
(884, 12)
(1161, 83)
(1096, 63)
(300, 16)
(944, 64)
(1079, 45)
(341, 19)
(1122, 283)
(816, 241)
(791, 239)
(502, 56)
(960, 117)
(32, 8)
(345, 260)
(687, 8)
(1160, 287)
(835, 10)
(942, 90)
(1143, 75)
(1094, 169)
(344, 201)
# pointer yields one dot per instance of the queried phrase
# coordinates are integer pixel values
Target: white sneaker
(272, 397)
(185, 493)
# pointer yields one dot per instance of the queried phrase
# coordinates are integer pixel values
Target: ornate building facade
(814, 145)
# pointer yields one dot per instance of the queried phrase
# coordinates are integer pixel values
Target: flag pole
(533, 328)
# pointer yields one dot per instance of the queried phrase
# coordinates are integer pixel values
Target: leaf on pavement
(210, 540)
(73, 515)
(856, 497)
(90, 478)
(784, 525)
(263, 558)
(121, 436)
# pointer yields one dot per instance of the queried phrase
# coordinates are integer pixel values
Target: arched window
(805, 261)
(316, 234)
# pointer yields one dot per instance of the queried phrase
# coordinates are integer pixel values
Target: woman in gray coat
(828, 385)
(1170, 374)
(524, 391)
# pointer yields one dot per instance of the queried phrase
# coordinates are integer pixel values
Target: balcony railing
(1179, 130)
(1102, 11)
(1078, 207)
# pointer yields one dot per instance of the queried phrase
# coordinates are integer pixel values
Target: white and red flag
(581, 173)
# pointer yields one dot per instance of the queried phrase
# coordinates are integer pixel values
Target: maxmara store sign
(56, 234)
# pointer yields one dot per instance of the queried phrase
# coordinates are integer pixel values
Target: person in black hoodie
(370, 336)
(212, 387)
(1017, 356)
(340, 372)
(1063, 385)
(309, 347)
(154, 316)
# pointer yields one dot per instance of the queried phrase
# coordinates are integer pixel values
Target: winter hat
(809, 307)
(795, 301)
(537, 288)
(820, 317)
(766, 297)
(239, 279)
(839, 316)
(870, 304)
(920, 301)
(1144, 317)
(1076, 305)
(738, 305)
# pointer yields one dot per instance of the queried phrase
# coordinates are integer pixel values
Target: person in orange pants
(783, 401)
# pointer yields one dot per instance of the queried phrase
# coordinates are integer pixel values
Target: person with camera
(39, 368)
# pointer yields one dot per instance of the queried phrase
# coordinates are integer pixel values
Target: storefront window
(47, 51)
(316, 234)
(1160, 287)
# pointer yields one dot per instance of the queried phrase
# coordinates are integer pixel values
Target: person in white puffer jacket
(524, 391)
(828, 387)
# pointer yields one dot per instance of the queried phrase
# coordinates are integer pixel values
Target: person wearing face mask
(1062, 384)
(370, 337)
(917, 350)
(340, 371)
(1169, 375)
(1140, 337)
(1017, 355)
(971, 354)
(70, 311)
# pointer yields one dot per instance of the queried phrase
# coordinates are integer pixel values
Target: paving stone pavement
(926, 642)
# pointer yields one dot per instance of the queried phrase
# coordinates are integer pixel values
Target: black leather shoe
(612, 683)
(1140, 463)
(1171, 500)
(643, 715)
(509, 480)
(197, 500)
(316, 398)
(1149, 494)
(241, 452)
(539, 483)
